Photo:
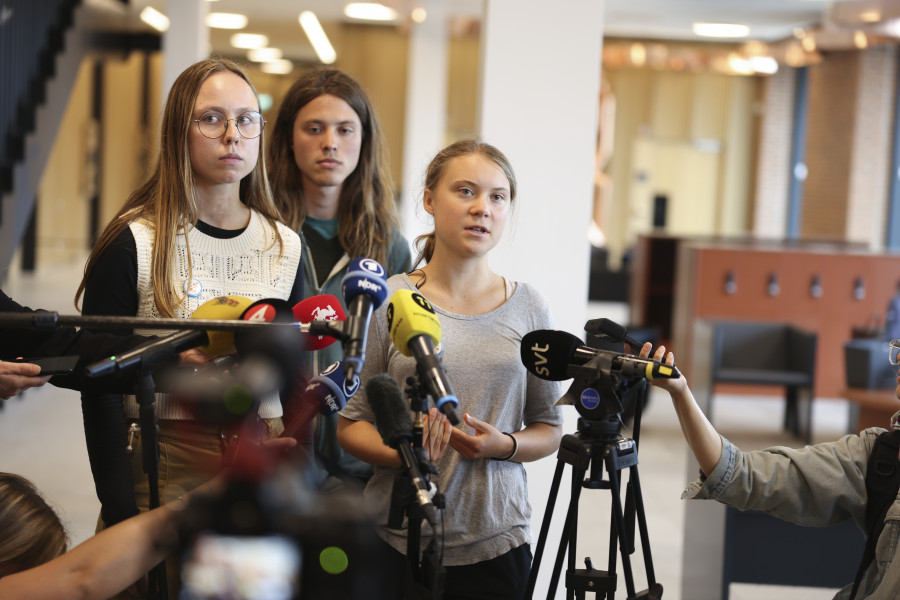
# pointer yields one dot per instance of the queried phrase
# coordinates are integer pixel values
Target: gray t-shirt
(487, 512)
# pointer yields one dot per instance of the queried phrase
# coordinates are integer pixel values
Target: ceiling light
(249, 40)
(418, 15)
(721, 30)
(638, 54)
(370, 11)
(808, 44)
(276, 67)
(313, 30)
(860, 40)
(154, 18)
(226, 21)
(763, 64)
(264, 54)
(870, 16)
(739, 64)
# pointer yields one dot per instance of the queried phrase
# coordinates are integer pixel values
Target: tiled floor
(41, 437)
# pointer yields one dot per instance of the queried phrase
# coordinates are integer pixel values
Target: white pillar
(185, 41)
(426, 113)
(540, 82)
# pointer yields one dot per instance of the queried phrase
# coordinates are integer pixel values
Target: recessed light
(721, 30)
(154, 18)
(320, 43)
(226, 21)
(249, 40)
(264, 54)
(370, 11)
(281, 66)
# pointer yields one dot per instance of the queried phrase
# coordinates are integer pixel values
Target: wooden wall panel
(700, 295)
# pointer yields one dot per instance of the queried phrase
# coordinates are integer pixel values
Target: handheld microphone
(326, 394)
(549, 354)
(223, 307)
(611, 331)
(393, 422)
(330, 389)
(415, 330)
(281, 345)
(364, 289)
(150, 355)
(317, 309)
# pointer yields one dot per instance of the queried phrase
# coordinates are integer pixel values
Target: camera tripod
(598, 445)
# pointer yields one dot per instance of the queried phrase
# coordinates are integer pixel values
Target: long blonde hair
(32, 532)
(367, 210)
(425, 242)
(166, 199)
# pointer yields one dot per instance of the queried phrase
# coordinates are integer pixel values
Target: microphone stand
(426, 576)
(145, 391)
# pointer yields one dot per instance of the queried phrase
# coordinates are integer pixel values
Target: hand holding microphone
(553, 355)
(415, 330)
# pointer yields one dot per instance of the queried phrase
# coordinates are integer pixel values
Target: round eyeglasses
(894, 350)
(213, 124)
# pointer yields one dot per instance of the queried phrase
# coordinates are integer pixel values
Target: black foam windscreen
(547, 353)
(392, 418)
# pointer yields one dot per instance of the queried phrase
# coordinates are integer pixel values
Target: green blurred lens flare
(334, 560)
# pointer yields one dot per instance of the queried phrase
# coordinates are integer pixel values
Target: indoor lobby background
(641, 161)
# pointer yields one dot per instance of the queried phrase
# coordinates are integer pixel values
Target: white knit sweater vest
(248, 265)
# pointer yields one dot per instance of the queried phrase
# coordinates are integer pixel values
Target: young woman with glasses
(202, 225)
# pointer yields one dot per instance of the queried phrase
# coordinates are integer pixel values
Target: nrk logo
(390, 316)
(372, 266)
(421, 301)
(324, 313)
(590, 399)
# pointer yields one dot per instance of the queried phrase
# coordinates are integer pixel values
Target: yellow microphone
(222, 308)
(410, 315)
(415, 331)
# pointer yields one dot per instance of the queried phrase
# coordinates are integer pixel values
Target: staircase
(41, 47)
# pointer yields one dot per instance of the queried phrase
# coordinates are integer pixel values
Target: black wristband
(514, 450)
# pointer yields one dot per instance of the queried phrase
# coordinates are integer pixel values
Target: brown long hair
(166, 200)
(367, 210)
(425, 242)
(32, 532)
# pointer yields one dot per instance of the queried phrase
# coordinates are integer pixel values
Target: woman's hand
(672, 386)
(487, 441)
(436, 433)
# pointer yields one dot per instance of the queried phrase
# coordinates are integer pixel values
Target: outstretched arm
(704, 441)
(102, 565)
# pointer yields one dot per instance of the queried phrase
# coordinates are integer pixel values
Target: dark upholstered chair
(765, 353)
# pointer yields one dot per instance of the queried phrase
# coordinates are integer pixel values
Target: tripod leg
(619, 520)
(635, 482)
(545, 528)
(568, 527)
